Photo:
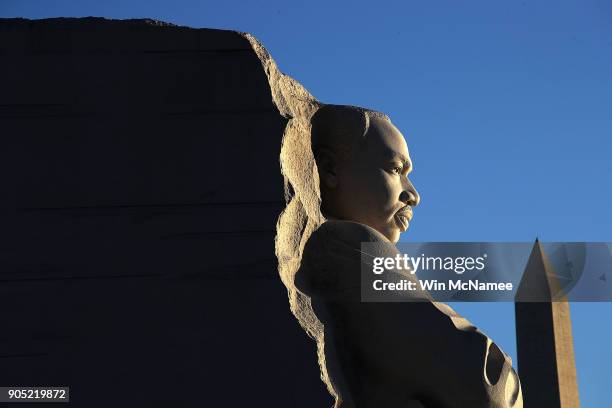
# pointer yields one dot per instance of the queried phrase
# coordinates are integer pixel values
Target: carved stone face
(371, 186)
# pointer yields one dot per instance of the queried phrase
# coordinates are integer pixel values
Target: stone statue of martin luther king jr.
(375, 354)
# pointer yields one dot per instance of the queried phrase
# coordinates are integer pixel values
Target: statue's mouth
(403, 217)
(405, 212)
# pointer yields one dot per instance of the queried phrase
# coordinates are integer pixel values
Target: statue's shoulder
(333, 257)
(351, 233)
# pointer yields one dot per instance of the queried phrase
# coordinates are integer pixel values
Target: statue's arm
(430, 352)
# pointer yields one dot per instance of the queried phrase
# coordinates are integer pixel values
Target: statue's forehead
(385, 139)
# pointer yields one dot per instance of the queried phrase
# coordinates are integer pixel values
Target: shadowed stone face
(370, 184)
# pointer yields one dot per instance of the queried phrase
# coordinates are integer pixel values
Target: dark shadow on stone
(141, 165)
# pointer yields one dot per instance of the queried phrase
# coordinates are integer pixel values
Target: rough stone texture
(140, 165)
(544, 338)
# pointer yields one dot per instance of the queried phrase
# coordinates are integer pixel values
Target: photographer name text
(435, 285)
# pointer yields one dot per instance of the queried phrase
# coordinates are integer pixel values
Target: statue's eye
(397, 170)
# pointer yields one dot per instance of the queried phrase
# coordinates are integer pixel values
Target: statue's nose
(409, 194)
(410, 197)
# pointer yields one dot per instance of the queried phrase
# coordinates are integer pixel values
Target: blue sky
(506, 107)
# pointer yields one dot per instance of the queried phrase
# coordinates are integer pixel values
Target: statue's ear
(327, 162)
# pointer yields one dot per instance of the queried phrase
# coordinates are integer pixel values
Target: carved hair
(340, 127)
